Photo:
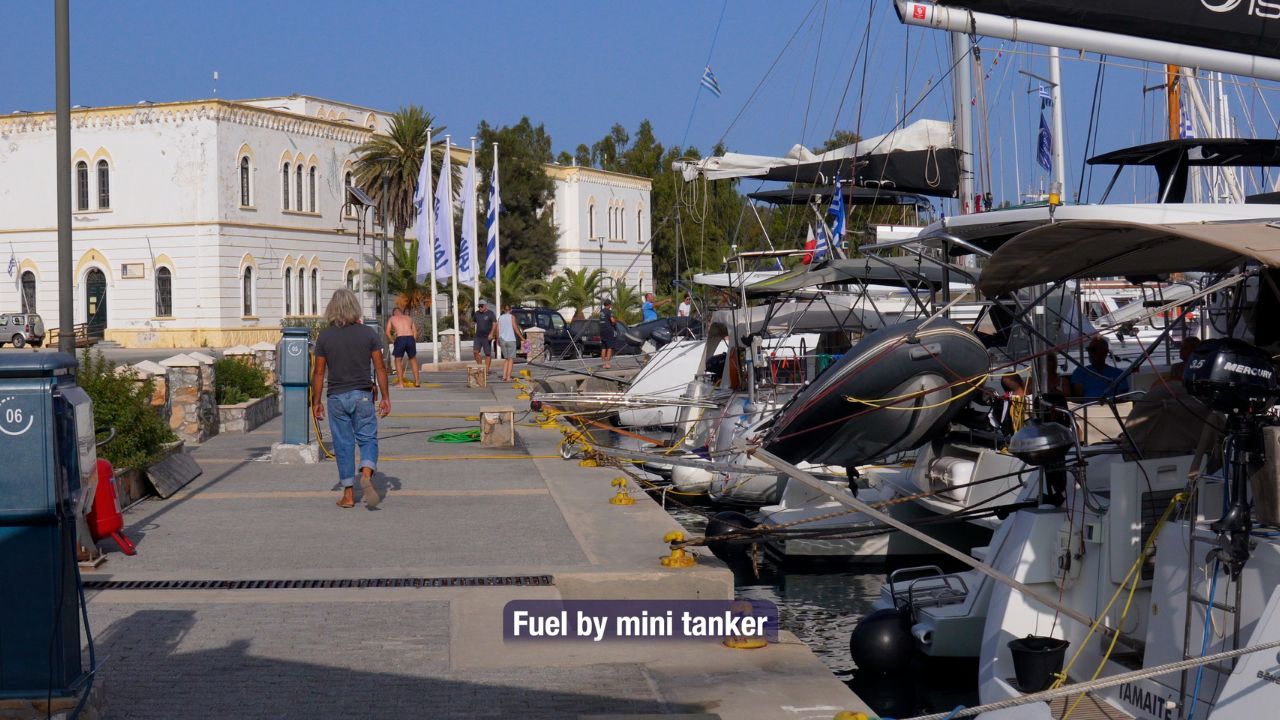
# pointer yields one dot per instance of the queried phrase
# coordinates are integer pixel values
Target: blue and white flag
(1046, 98)
(1187, 131)
(1044, 146)
(13, 262)
(836, 209)
(421, 219)
(709, 81)
(491, 224)
(443, 205)
(467, 249)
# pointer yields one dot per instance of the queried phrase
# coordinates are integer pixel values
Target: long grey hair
(343, 308)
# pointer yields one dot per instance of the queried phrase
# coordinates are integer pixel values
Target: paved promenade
(450, 511)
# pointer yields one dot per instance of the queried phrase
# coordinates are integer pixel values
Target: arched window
(284, 187)
(28, 292)
(246, 291)
(82, 185)
(302, 291)
(351, 280)
(298, 187)
(245, 200)
(591, 221)
(315, 291)
(164, 292)
(311, 187)
(104, 185)
(288, 291)
(639, 232)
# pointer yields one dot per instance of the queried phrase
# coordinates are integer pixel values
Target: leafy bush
(313, 324)
(236, 382)
(123, 403)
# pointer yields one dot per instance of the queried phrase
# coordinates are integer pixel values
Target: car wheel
(18, 341)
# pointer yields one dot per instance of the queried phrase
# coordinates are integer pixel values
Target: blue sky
(579, 67)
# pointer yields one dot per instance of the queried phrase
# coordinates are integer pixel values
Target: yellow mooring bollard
(678, 558)
(622, 497)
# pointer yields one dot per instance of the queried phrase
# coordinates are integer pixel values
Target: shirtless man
(402, 331)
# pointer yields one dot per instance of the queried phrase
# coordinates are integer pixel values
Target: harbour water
(822, 606)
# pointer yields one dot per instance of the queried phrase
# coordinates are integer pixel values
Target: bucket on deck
(1035, 660)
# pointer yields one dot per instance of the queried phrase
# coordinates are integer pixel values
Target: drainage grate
(435, 582)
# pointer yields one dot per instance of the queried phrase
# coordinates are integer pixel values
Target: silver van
(19, 329)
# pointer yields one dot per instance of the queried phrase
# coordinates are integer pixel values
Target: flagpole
(453, 257)
(431, 253)
(497, 242)
(471, 241)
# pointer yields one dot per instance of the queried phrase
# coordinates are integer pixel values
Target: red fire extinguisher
(105, 518)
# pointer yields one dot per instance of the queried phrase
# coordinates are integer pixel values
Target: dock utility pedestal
(47, 441)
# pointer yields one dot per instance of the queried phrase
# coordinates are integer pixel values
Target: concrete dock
(451, 513)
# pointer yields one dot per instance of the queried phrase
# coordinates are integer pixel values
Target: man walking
(486, 326)
(403, 332)
(349, 353)
(608, 332)
(511, 335)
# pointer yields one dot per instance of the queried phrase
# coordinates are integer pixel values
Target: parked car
(557, 330)
(586, 338)
(19, 329)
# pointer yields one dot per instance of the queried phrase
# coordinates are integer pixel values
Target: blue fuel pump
(47, 440)
(294, 358)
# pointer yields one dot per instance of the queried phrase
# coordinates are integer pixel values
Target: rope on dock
(1112, 681)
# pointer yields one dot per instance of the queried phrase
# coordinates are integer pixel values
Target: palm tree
(397, 158)
(402, 278)
(577, 289)
(626, 302)
(517, 286)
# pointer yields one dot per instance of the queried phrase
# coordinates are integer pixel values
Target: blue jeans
(353, 420)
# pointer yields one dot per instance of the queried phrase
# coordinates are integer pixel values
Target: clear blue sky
(576, 66)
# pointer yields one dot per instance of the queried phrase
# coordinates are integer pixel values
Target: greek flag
(1046, 98)
(467, 250)
(836, 209)
(421, 222)
(1044, 146)
(1187, 131)
(491, 224)
(13, 262)
(443, 205)
(709, 81)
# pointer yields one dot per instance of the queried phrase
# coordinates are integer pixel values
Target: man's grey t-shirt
(348, 354)
(484, 320)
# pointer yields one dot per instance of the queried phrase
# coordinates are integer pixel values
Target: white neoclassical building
(604, 222)
(208, 222)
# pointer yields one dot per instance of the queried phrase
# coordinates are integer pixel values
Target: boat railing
(931, 589)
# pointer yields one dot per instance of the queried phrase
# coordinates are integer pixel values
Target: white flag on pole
(467, 250)
(443, 206)
(421, 220)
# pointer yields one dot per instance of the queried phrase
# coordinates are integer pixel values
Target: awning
(1093, 248)
(904, 271)
(919, 158)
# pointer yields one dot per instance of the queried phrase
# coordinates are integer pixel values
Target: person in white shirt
(686, 306)
(511, 335)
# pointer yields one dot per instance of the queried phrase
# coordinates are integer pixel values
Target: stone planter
(245, 416)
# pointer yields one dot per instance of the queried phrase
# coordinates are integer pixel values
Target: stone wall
(246, 416)
(193, 411)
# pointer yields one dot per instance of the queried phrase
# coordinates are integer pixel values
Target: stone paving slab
(450, 510)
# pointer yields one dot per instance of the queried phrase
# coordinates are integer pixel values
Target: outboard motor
(897, 389)
(1238, 379)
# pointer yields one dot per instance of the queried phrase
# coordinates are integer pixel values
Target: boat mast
(1174, 94)
(962, 94)
(1059, 159)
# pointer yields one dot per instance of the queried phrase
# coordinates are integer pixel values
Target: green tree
(577, 289)
(582, 155)
(402, 278)
(526, 232)
(564, 158)
(839, 139)
(397, 158)
(626, 302)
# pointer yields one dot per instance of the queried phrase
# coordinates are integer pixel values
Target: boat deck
(1090, 708)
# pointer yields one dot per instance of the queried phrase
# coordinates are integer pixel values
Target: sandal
(345, 503)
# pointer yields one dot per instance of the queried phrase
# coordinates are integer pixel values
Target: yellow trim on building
(188, 337)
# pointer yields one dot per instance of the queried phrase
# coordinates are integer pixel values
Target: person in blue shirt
(1094, 380)
(650, 307)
